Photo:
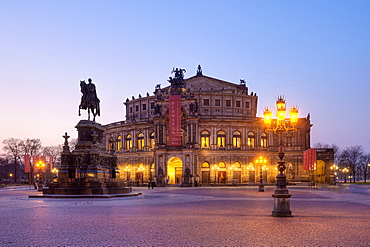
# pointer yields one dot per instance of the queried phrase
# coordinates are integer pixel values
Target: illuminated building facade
(202, 130)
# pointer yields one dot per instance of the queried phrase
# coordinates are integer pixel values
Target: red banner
(309, 159)
(175, 120)
(27, 163)
(35, 158)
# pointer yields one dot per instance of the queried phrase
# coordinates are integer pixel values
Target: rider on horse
(89, 99)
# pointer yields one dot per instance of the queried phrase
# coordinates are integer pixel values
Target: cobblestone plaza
(174, 216)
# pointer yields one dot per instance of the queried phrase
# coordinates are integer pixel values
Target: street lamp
(250, 169)
(281, 124)
(261, 160)
(40, 165)
(55, 172)
(127, 171)
(334, 168)
(345, 170)
(141, 172)
(215, 168)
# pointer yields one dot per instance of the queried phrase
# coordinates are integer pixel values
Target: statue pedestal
(187, 181)
(88, 169)
(87, 186)
(160, 181)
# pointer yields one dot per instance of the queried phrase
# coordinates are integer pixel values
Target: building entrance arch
(174, 170)
(319, 172)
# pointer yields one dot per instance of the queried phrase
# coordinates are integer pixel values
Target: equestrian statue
(89, 99)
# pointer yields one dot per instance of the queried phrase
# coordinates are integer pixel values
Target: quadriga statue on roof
(89, 99)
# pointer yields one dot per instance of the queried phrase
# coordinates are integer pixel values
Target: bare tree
(31, 147)
(320, 145)
(53, 151)
(72, 144)
(13, 148)
(337, 153)
(351, 157)
(365, 166)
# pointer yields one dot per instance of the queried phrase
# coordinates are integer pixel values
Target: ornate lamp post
(250, 169)
(127, 171)
(55, 172)
(215, 168)
(40, 165)
(334, 168)
(141, 174)
(280, 125)
(261, 160)
(345, 170)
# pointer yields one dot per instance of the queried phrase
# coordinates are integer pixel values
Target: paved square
(173, 216)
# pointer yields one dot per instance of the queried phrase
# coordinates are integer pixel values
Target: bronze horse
(89, 99)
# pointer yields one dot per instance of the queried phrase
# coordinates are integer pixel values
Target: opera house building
(202, 130)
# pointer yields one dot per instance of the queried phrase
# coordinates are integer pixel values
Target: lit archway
(319, 172)
(174, 170)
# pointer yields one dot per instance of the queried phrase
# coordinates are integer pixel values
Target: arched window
(204, 139)
(251, 139)
(237, 139)
(205, 165)
(152, 140)
(140, 141)
(264, 140)
(222, 164)
(111, 144)
(221, 139)
(119, 143)
(237, 164)
(128, 142)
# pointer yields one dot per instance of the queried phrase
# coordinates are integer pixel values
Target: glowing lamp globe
(293, 115)
(267, 116)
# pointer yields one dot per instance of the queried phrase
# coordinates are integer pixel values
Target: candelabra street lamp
(345, 171)
(334, 168)
(215, 168)
(40, 165)
(55, 172)
(261, 160)
(127, 171)
(280, 125)
(141, 174)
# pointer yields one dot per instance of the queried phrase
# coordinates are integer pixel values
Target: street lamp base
(281, 205)
(261, 188)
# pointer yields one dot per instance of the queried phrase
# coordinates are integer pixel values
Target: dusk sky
(315, 53)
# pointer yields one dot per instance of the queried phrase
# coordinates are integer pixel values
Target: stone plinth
(86, 186)
(88, 169)
(281, 198)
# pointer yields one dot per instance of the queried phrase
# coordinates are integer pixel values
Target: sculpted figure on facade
(178, 80)
(199, 71)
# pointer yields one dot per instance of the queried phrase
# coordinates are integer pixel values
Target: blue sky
(316, 53)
